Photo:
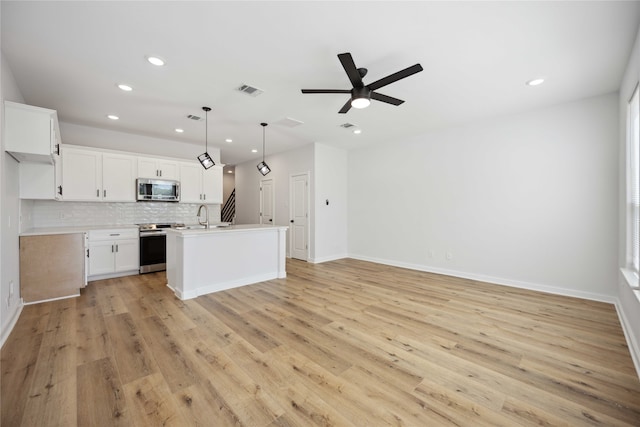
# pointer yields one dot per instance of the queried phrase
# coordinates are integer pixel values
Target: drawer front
(113, 234)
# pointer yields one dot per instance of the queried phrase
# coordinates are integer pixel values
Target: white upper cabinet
(149, 167)
(199, 185)
(81, 174)
(119, 177)
(31, 133)
(95, 176)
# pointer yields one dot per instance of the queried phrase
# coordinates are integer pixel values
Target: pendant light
(205, 158)
(262, 166)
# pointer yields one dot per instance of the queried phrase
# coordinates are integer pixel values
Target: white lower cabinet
(113, 252)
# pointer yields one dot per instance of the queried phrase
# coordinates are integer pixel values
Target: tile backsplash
(49, 213)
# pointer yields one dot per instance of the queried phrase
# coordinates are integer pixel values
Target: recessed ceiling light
(125, 88)
(228, 140)
(357, 131)
(229, 171)
(156, 60)
(113, 117)
(535, 82)
(254, 151)
(179, 130)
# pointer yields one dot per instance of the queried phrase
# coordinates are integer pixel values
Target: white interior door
(299, 230)
(266, 201)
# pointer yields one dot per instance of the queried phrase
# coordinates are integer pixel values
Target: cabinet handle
(204, 197)
(112, 248)
(114, 234)
(58, 149)
(160, 172)
(60, 190)
(116, 248)
(98, 193)
(104, 193)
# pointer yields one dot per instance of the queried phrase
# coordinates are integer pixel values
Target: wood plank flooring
(344, 343)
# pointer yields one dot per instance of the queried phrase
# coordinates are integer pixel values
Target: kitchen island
(202, 261)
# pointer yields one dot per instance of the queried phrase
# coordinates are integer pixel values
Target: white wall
(330, 225)
(628, 303)
(113, 140)
(9, 213)
(526, 200)
(282, 165)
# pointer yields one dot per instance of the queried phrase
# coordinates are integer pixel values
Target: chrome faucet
(206, 211)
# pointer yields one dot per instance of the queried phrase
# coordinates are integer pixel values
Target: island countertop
(186, 232)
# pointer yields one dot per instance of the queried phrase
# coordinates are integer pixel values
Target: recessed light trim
(179, 130)
(535, 82)
(228, 140)
(112, 117)
(254, 151)
(156, 60)
(125, 88)
(357, 131)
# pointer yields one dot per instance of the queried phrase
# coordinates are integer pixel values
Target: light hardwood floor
(345, 343)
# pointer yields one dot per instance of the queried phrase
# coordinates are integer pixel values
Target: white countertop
(227, 229)
(40, 231)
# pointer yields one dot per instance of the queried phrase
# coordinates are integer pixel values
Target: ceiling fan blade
(395, 77)
(350, 67)
(326, 91)
(385, 98)
(346, 107)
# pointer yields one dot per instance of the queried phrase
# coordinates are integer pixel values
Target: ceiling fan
(361, 95)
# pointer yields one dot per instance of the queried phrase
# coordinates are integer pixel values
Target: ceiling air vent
(250, 90)
(347, 125)
(289, 122)
(192, 117)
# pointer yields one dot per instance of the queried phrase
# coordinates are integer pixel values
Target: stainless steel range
(153, 246)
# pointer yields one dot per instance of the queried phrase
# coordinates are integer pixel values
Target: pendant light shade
(263, 168)
(205, 159)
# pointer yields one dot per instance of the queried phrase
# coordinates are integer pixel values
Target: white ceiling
(477, 56)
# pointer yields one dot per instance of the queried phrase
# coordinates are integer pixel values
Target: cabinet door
(212, 185)
(81, 174)
(101, 257)
(147, 168)
(168, 169)
(119, 178)
(28, 132)
(127, 255)
(190, 183)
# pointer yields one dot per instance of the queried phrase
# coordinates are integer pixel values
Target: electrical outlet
(449, 256)
(430, 253)
(63, 215)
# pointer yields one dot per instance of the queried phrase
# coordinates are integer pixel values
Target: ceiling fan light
(263, 168)
(360, 102)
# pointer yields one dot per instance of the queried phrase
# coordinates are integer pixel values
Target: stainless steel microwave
(158, 190)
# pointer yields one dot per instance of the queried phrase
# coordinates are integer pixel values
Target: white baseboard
(320, 260)
(632, 343)
(494, 280)
(6, 331)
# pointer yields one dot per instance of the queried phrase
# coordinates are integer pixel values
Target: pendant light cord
(206, 131)
(263, 130)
